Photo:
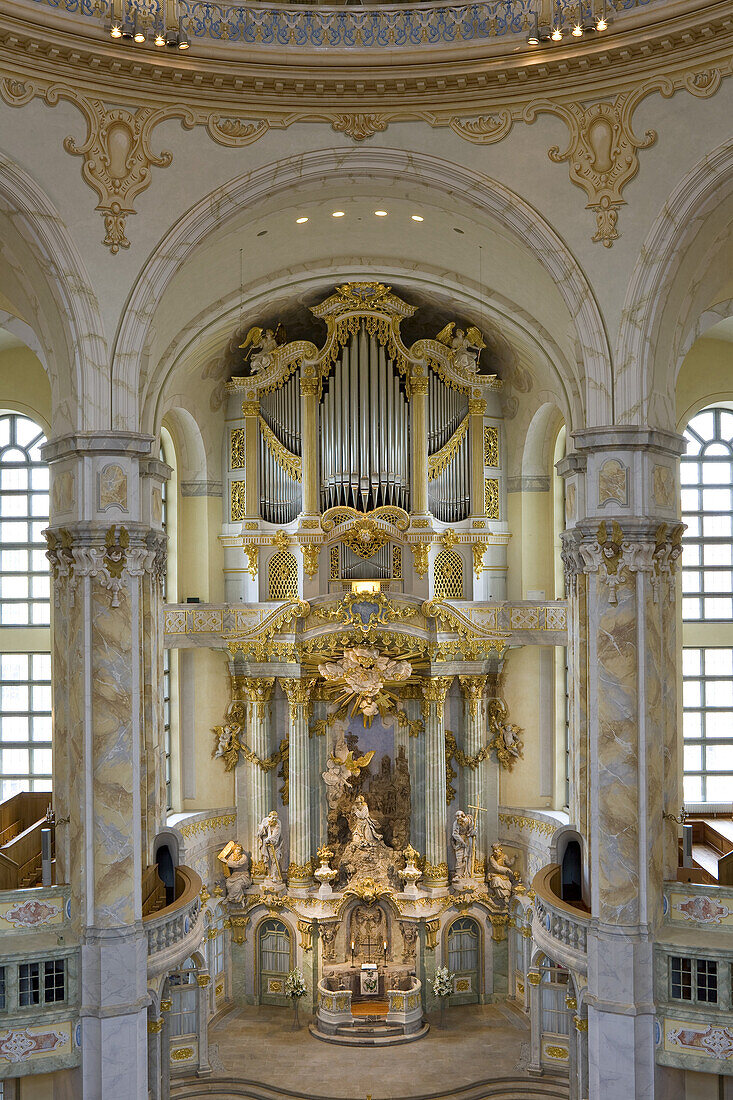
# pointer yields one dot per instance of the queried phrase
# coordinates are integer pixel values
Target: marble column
(620, 552)
(436, 862)
(476, 410)
(300, 868)
(419, 442)
(253, 788)
(106, 547)
(310, 389)
(480, 784)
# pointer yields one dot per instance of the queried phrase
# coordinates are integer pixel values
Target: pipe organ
(279, 453)
(364, 429)
(449, 462)
(364, 448)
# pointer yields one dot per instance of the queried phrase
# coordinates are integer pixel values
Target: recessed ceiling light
(262, 233)
(455, 230)
(417, 217)
(381, 213)
(300, 221)
(338, 214)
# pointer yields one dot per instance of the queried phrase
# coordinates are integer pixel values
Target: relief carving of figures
(270, 839)
(238, 869)
(329, 931)
(364, 833)
(501, 879)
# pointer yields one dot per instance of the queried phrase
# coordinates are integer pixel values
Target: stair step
(503, 1088)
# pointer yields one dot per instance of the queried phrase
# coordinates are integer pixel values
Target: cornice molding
(594, 91)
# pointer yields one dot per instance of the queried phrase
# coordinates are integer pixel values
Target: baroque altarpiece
(366, 629)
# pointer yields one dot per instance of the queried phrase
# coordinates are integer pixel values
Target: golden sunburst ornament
(360, 680)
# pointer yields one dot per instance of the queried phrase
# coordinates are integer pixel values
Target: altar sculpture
(463, 838)
(237, 870)
(270, 838)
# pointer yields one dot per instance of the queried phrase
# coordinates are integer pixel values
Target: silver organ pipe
(449, 494)
(280, 494)
(364, 429)
(356, 568)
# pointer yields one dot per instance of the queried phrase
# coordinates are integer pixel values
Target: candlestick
(352, 952)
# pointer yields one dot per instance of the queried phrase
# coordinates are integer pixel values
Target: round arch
(79, 376)
(507, 209)
(678, 225)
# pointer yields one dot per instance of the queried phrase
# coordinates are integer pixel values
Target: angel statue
(461, 343)
(262, 343)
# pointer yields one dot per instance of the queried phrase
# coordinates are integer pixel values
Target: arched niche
(564, 837)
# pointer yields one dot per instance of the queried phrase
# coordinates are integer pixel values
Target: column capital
(298, 691)
(112, 555)
(255, 689)
(617, 552)
(436, 689)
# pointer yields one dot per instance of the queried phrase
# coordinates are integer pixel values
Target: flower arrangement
(295, 986)
(443, 982)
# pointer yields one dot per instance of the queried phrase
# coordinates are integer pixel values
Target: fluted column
(251, 413)
(620, 552)
(419, 441)
(300, 869)
(256, 692)
(481, 784)
(476, 410)
(106, 547)
(309, 389)
(436, 861)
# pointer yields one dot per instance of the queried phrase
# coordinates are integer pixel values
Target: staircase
(370, 1031)
(502, 1088)
(22, 818)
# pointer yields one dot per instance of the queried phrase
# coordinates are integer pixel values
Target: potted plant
(442, 988)
(295, 988)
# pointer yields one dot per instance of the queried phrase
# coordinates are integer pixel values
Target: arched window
(183, 988)
(169, 516)
(448, 575)
(24, 573)
(25, 672)
(275, 956)
(706, 476)
(464, 958)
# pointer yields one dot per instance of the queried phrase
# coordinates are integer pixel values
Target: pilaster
(253, 798)
(480, 784)
(476, 410)
(309, 389)
(620, 551)
(106, 547)
(419, 441)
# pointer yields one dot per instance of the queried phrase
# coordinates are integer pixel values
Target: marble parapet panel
(531, 832)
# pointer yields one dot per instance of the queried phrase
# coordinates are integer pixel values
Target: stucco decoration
(112, 488)
(359, 127)
(663, 486)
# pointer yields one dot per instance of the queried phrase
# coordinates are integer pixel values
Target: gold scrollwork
(491, 446)
(237, 505)
(182, 1054)
(442, 458)
(236, 449)
(290, 463)
(491, 497)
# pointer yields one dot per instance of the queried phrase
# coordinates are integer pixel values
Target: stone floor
(479, 1042)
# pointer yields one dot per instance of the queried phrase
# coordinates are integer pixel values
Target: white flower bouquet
(295, 985)
(443, 982)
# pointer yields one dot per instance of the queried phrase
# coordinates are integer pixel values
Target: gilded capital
(298, 691)
(418, 385)
(436, 689)
(473, 688)
(477, 406)
(256, 689)
(251, 408)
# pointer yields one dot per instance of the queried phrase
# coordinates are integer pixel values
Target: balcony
(559, 928)
(177, 929)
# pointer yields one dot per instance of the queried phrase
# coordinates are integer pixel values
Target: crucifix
(369, 947)
(479, 810)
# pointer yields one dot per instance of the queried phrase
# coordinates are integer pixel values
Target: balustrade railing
(564, 923)
(173, 924)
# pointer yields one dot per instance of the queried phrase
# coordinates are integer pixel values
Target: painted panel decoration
(31, 914)
(705, 1041)
(22, 1044)
(701, 909)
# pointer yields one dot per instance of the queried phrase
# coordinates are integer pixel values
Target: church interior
(366, 550)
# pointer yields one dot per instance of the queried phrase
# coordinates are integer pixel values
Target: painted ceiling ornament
(360, 679)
